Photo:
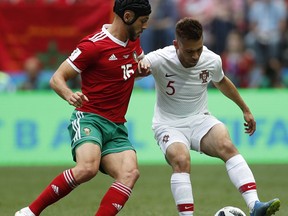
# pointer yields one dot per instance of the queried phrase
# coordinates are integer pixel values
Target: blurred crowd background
(251, 36)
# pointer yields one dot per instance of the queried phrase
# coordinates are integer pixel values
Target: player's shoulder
(95, 37)
(161, 56)
(210, 60)
(89, 44)
(209, 55)
(166, 52)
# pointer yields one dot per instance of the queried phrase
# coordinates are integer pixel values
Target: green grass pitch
(151, 196)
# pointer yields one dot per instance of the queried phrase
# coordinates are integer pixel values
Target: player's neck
(118, 30)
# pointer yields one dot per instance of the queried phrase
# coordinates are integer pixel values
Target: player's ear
(175, 43)
(128, 16)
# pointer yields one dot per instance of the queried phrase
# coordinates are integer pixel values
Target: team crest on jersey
(204, 76)
(135, 56)
(165, 138)
(87, 131)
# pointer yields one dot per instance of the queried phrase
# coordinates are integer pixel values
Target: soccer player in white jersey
(182, 121)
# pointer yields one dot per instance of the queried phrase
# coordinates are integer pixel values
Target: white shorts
(188, 131)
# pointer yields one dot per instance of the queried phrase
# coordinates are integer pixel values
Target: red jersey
(107, 67)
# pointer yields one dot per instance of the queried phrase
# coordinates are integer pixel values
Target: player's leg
(175, 147)
(88, 159)
(217, 143)
(178, 156)
(123, 167)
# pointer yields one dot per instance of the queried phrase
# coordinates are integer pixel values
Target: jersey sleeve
(218, 72)
(154, 59)
(84, 55)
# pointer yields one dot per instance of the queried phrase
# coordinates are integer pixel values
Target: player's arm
(58, 83)
(230, 91)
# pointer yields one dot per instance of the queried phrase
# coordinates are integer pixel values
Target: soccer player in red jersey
(107, 62)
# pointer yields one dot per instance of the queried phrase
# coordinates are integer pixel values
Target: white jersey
(182, 92)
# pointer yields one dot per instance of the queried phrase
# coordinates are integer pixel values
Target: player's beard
(132, 34)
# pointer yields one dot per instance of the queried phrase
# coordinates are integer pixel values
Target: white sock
(182, 192)
(241, 176)
(27, 211)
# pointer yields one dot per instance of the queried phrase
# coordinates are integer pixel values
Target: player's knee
(130, 177)
(134, 174)
(181, 163)
(87, 172)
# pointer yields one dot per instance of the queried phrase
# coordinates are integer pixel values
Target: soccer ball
(230, 211)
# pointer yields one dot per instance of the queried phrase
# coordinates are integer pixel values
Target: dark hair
(189, 29)
(139, 7)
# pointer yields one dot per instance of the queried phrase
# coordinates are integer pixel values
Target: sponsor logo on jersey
(125, 56)
(169, 75)
(112, 58)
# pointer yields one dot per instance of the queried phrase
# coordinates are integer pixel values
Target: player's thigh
(217, 142)
(122, 166)
(167, 136)
(88, 156)
(88, 153)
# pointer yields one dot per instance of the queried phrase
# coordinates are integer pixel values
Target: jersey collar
(117, 41)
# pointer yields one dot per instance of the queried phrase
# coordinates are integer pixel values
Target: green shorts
(88, 127)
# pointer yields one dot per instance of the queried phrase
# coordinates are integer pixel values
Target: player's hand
(143, 68)
(76, 99)
(250, 124)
